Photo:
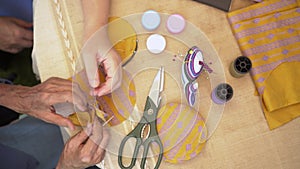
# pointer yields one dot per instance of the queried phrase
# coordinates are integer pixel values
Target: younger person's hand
(98, 53)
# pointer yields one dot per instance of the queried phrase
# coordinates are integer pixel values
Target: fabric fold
(269, 34)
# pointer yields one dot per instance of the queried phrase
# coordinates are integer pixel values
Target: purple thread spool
(191, 63)
(222, 93)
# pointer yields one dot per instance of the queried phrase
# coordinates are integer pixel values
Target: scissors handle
(135, 153)
(147, 146)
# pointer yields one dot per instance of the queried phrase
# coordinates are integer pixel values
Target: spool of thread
(240, 66)
(222, 93)
(192, 67)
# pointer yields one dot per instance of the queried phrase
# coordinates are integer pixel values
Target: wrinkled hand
(99, 52)
(15, 34)
(37, 101)
(85, 149)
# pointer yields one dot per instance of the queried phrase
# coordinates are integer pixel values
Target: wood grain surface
(242, 138)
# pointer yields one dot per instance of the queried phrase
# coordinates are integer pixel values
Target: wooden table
(242, 138)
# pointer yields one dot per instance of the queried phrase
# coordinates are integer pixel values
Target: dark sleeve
(11, 158)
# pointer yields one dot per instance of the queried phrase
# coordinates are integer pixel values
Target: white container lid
(151, 20)
(175, 23)
(156, 43)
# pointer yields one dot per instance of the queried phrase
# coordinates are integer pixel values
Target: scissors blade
(157, 87)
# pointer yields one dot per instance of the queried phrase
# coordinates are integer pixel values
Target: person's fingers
(93, 143)
(80, 102)
(104, 89)
(80, 138)
(59, 82)
(22, 23)
(24, 43)
(110, 85)
(58, 97)
(105, 138)
(58, 120)
(90, 147)
(91, 67)
(27, 34)
(79, 97)
(100, 153)
(13, 50)
(113, 70)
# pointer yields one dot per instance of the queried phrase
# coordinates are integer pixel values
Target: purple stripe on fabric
(267, 27)
(285, 51)
(251, 41)
(271, 66)
(121, 112)
(169, 123)
(236, 26)
(256, 20)
(261, 11)
(265, 58)
(291, 30)
(131, 93)
(188, 147)
(124, 100)
(158, 120)
(166, 144)
(277, 14)
(270, 36)
(261, 90)
(271, 46)
(260, 80)
(179, 142)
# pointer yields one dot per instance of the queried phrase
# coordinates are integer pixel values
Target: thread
(240, 66)
(191, 70)
(222, 93)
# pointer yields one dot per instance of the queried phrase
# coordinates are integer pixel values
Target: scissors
(147, 120)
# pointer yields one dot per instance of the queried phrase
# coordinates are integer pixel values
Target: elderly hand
(15, 34)
(85, 149)
(38, 101)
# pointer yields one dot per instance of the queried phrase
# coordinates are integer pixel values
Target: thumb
(61, 121)
(91, 68)
(80, 138)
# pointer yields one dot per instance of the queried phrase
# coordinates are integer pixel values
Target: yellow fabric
(117, 106)
(281, 96)
(182, 132)
(268, 33)
(120, 103)
(122, 35)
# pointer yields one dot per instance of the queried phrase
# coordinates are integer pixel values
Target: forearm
(96, 14)
(12, 96)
